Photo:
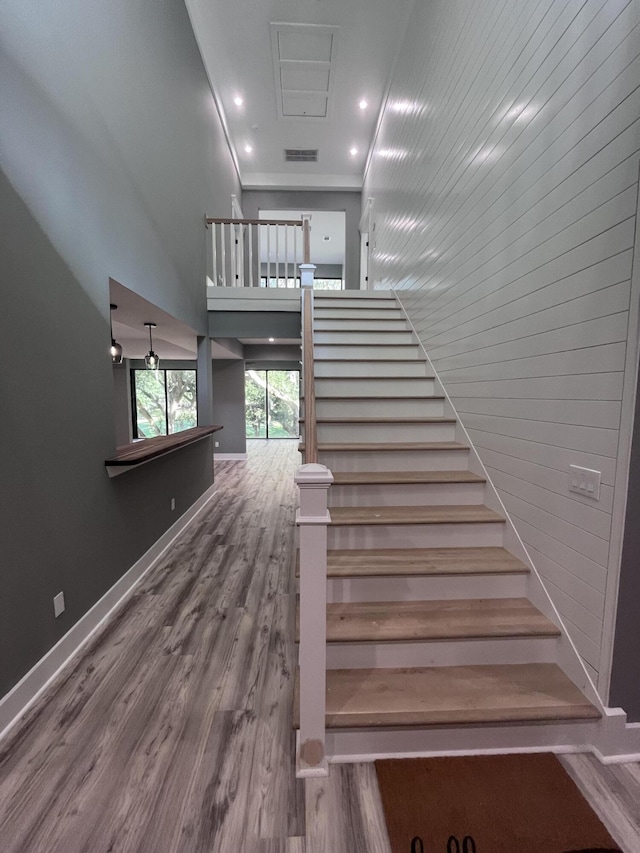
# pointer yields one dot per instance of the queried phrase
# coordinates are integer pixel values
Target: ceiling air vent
(300, 155)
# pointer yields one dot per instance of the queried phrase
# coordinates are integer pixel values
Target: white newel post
(312, 518)
(307, 274)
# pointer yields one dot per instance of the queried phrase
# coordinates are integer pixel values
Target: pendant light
(151, 359)
(116, 349)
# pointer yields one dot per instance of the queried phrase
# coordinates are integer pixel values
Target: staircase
(434, 643)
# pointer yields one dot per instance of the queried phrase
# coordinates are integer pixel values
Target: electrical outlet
(173, 504)
(216, 444)
(58, 604)
(585, 481)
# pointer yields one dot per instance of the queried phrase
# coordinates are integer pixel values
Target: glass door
(272, 403)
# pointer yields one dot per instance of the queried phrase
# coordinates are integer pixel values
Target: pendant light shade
(151, 359)
(116, 349)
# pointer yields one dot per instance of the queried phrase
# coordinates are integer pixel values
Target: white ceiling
(353, 44)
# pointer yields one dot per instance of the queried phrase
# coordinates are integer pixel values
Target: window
(280, 282)
(272, 403)
(327, 284)
(164, 401)
(318, 283)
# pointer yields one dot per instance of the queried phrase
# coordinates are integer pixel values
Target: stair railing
(312, 518)
(256, 252)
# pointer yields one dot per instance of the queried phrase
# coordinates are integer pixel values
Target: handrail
(310, 434)
(213, 220)
(243, 251)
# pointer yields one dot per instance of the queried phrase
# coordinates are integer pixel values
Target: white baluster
(214, 255)
(223, 255)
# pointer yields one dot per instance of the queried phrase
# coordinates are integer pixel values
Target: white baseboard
(230, 457)
(27, 690)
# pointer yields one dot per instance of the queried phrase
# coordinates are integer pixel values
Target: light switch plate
(585, 482)
(58, 604)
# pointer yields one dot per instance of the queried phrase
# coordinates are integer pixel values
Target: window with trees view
(164, 401)
(272, 403)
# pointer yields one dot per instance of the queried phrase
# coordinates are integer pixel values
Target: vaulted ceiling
(308, 75)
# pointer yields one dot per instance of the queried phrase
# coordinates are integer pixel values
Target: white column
(313, 516)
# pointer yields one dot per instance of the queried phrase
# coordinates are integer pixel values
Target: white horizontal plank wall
(505, 179)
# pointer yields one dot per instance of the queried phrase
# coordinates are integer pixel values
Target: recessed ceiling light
(363, 104)
(248, 148)
(271, 340)
(238, 101)
(353, 151)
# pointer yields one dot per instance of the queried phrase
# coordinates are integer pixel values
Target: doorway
(272, 403)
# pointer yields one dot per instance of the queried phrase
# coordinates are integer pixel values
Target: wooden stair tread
(358, 478)
(452, 696)
(377, 420)
(451, 619)
(380, 398)
(397, 445)
(446, 514)
(423, 561)
(368, 360)
(387, 562)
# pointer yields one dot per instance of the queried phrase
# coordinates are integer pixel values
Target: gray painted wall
(122, 403)
(255, 200)
(111, 153)
(254, 324)
(228, 405)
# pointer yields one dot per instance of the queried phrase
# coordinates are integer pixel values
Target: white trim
(230, 457)
(31, 686)
(301, 181)
(621, 483)
(456, 753)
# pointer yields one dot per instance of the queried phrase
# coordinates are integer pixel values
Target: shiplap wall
(504, 179)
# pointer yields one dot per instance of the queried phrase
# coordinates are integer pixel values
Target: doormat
(487, 804)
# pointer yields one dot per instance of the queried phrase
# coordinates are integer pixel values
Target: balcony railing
(257, 252)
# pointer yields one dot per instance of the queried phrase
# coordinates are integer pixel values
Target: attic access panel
(304, 63)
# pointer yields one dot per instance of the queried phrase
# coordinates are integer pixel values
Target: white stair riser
(424, 407)
(375, 387)
(352, 745)
(353, 302)
(441, 653)
(371, 353)
(351, 337)
(415, 536)
(418, 494)
(393, 460)
(365, 368)
(386, 432)
(357, 324)
(426, 587)
(322, 313)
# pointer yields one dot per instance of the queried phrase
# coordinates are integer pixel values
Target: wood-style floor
(172, 731)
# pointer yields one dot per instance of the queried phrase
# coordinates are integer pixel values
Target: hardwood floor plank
(614, 794)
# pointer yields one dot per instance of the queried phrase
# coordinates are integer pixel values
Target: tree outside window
(165, 401)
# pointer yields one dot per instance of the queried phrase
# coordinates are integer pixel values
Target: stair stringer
(568, 657)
